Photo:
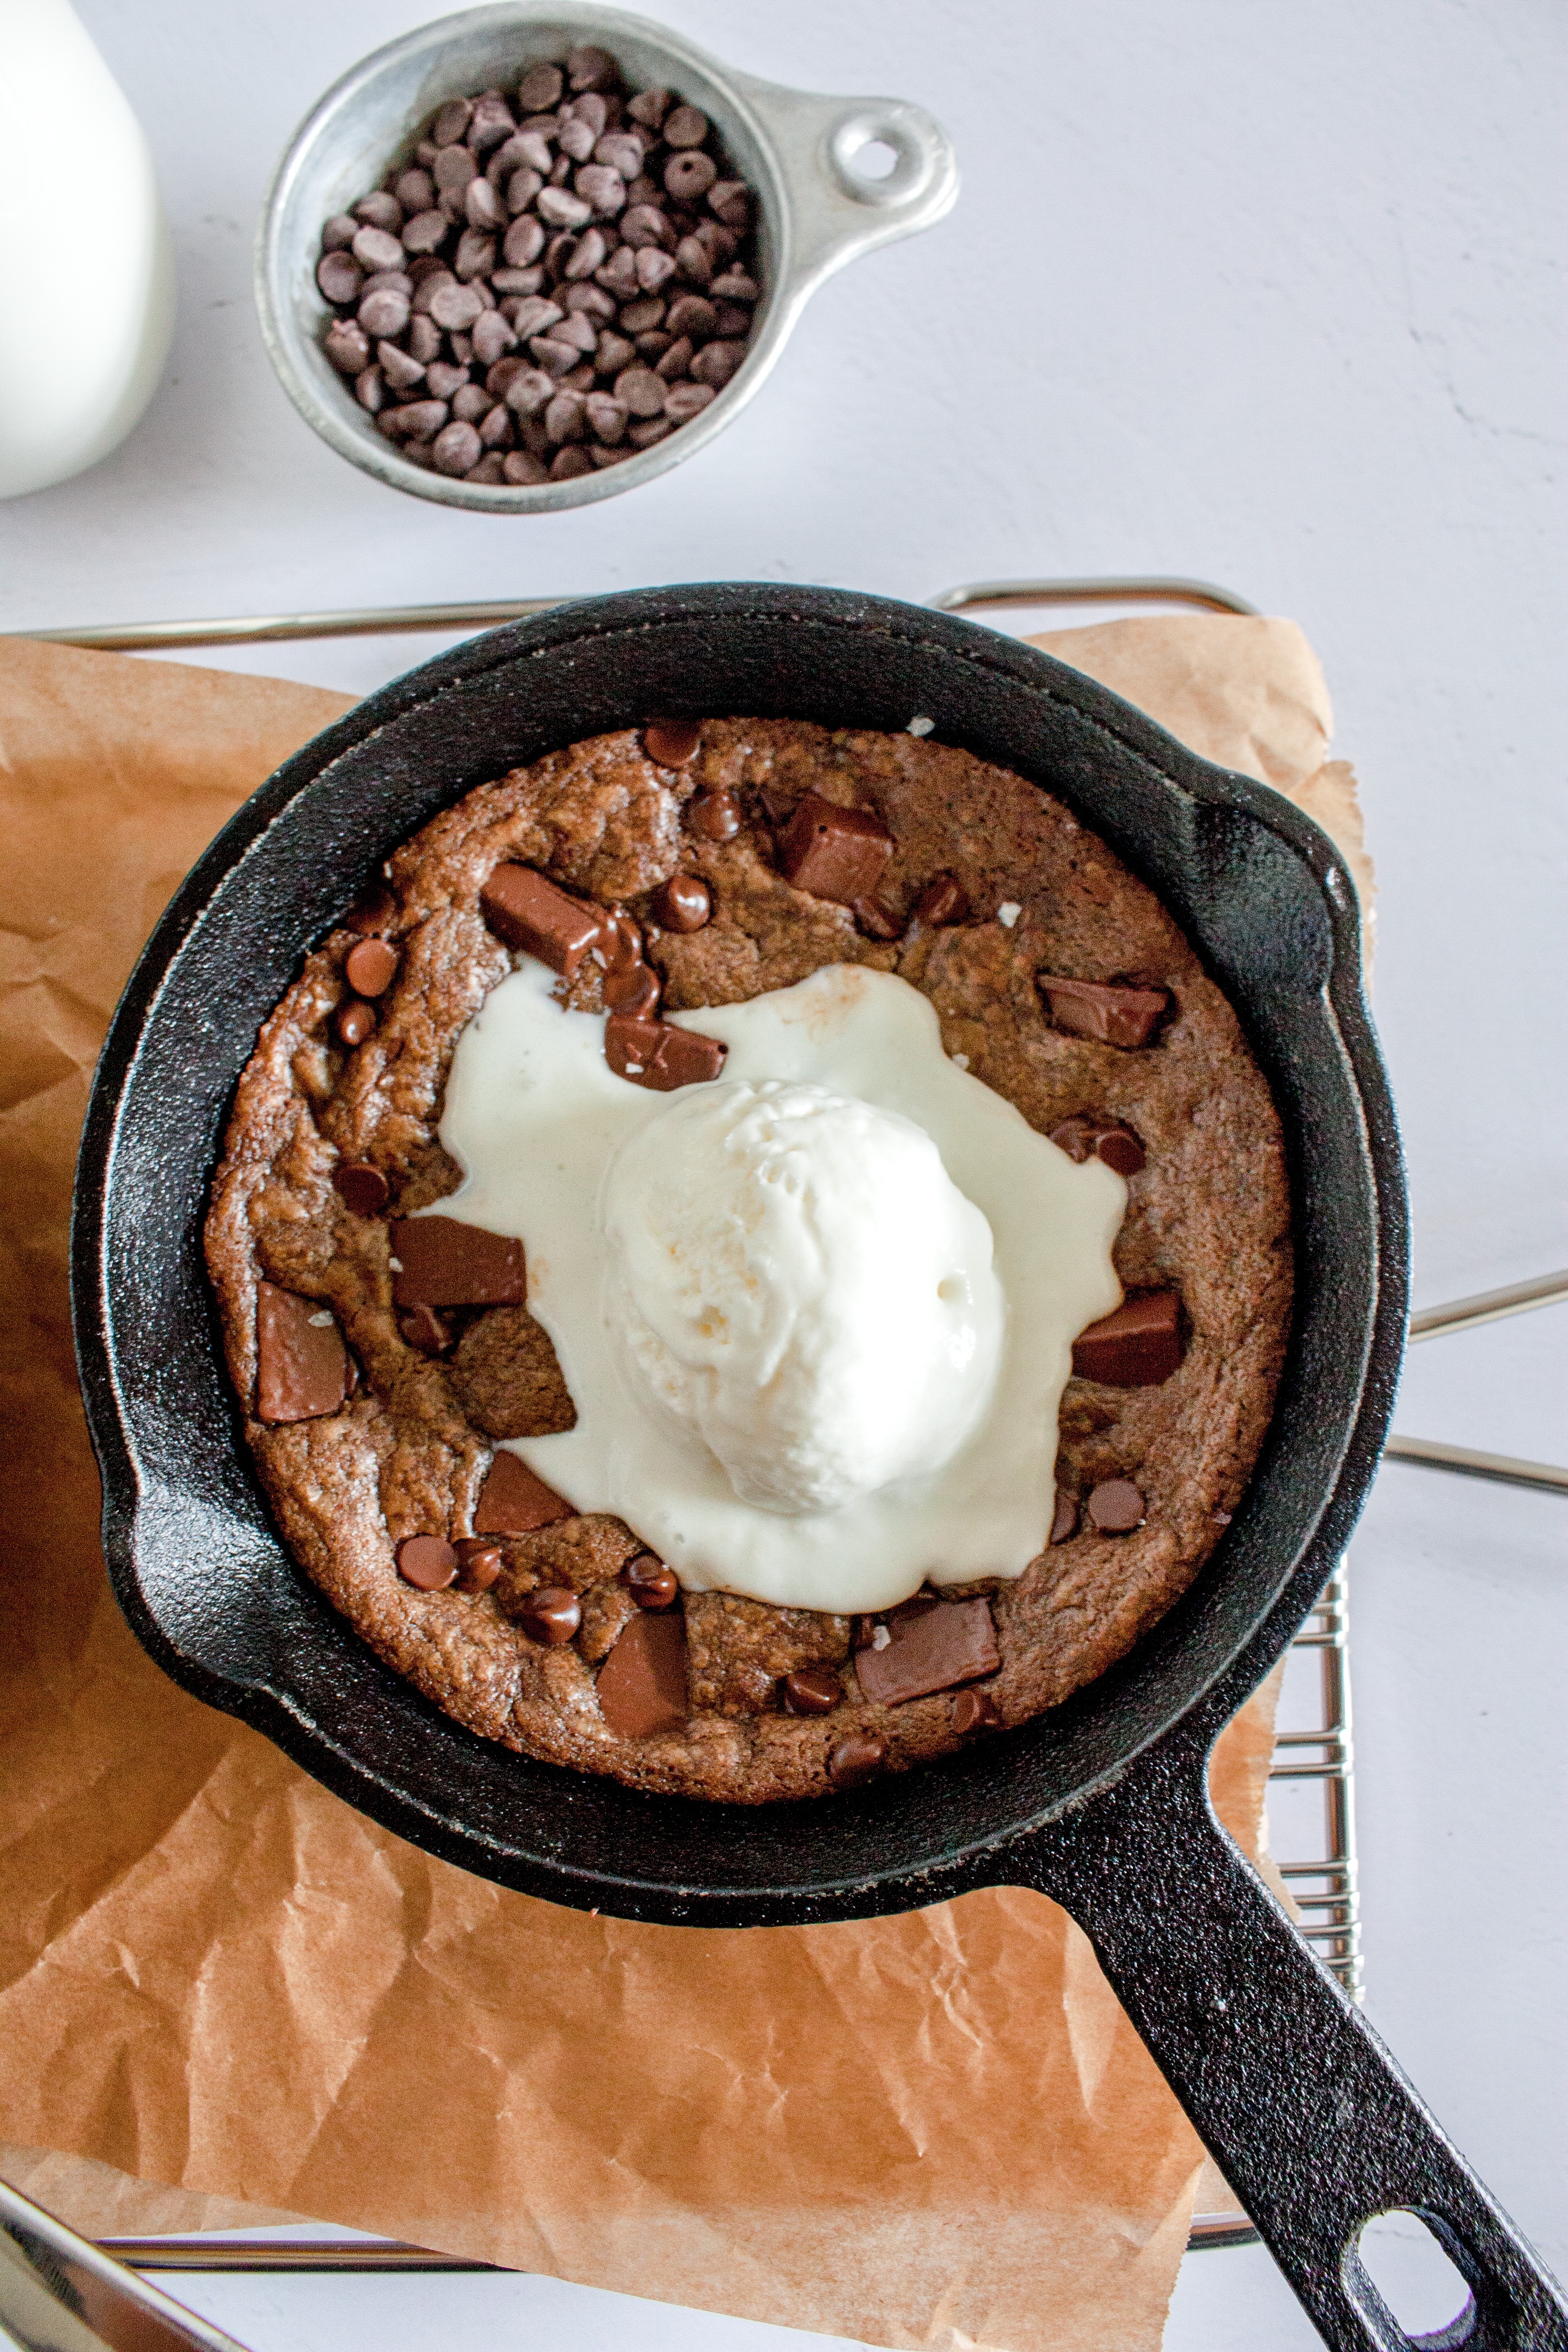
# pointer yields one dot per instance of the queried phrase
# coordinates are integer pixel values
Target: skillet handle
(1306, 2114)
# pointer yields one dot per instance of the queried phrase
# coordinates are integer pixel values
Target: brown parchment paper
(226, 1998)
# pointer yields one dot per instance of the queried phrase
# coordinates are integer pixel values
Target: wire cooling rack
(1322, 1884)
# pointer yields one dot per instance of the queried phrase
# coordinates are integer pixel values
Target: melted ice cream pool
(817, 1316)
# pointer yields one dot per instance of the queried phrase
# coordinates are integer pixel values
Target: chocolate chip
(370, 967)
(684, 128)
(376, 249)
(1115, 1507)
(340, 276)
(1137, 1346)
(303, 1368)
(1064, 1519)
(683, 402)
(714, 815)
(1112, 1016)
(540, 88)
(1083, 1137)
(931, 1649)
(943, 900)
(590, 68)
(373, 912)
(688, 176)
(354, 1021)
(426, 1332)
(361, 1187)
(650, 107)
(670, 742)
(973, 1711)
(635, 990)
(552, 1616)
(642, 1684)
(479, 1564)
(683, 903)
(731, 201)
(810, 1690)
(513, 1502)
(657, 1055)
(451, 120)
(347, 347)
(855, 1760)
(427, 1562)
(443, 1263)
(716, 365)
(526, 911)
(835, 853)
(652, 1584)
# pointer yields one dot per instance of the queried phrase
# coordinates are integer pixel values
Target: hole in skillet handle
(1401, 2255)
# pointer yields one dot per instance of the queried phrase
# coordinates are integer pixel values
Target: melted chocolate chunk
(303, 1368)
(1114, 1016)
(1083, 1137)
(943, 900)
(479, 1564)
(423, 1330)
(443, 1263)
(634, 990)
(551, 1616)
(810, 1690)
(526, 911)
(642, 1683)
(715, 815)
(656, 1053)
(931, 1648)
(856, 1761)
(835, 853)
(650, 1583)
(513, 1502)
(1136, 1348)
(683, 903)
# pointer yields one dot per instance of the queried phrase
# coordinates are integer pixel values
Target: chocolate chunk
(429, 1333)
(427, 1562)
(943, 900)
(1115, 1507)
(479, 1564)
(526, 911)
(513, 1502)
(374, 912)
(656, 1053)
(683, 904)
(303, 1368)
(634, 991)
(361, 1187)
(931, 1648)
(552, 1616)
(441, 1263)
(1064, 1519)
(714, 815)
(855, 1760)
(1083, 1137)
(833, 852)
(872, 917)
(1114, 1016)
(642, 1684)
(671, 742)
(369, 967)
(652, 1585)
(1136, 1348)
(354, 1021)
(975, 1710)
(810, 1690)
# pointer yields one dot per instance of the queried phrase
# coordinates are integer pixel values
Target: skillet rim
(271, 1711)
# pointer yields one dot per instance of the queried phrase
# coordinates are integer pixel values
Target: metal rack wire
(1323, 1887)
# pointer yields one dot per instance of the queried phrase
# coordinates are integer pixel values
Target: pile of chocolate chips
(443, 1268)
(553, 283)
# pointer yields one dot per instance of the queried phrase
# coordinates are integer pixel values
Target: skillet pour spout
(1102, 1802)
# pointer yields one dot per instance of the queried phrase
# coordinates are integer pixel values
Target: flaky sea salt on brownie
(759, 1257)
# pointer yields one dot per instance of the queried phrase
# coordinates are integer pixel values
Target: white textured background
(1266, 293)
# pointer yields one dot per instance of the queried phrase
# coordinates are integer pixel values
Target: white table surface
(1267, 294)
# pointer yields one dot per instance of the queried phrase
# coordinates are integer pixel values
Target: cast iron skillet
(1101, 1803)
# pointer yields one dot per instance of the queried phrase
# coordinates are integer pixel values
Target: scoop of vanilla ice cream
(793, 1277)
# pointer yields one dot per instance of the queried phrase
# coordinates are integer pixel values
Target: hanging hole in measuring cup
(879, 157)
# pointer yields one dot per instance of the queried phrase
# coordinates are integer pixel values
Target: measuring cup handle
(1303, 2110)
(838, 210)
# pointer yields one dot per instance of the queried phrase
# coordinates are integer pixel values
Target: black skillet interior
(195, 1559)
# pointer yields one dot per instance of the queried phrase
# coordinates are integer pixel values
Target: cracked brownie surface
(406, 1451)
